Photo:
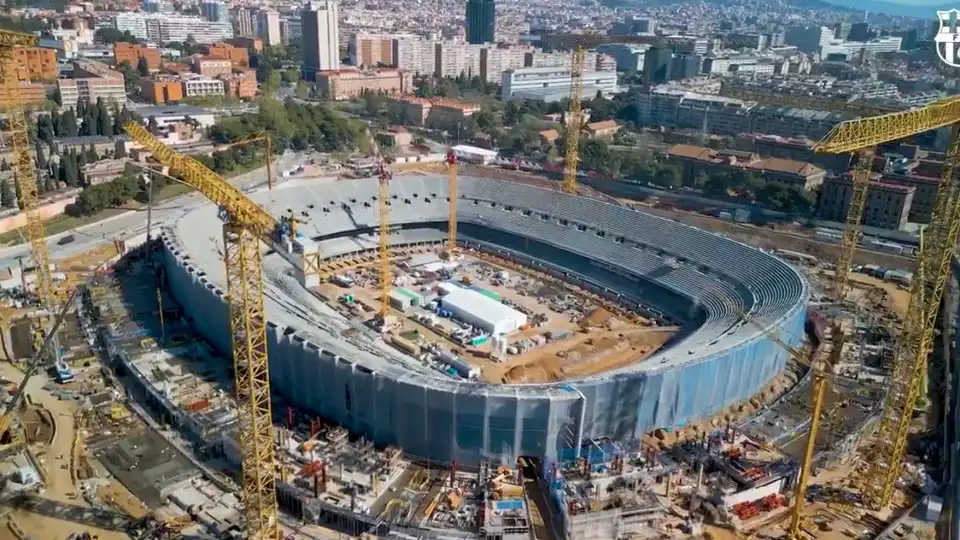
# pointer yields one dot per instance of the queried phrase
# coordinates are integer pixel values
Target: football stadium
(490, 359)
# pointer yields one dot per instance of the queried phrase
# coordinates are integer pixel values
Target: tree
(153, 125)
(7, 195)
(119, 149)
(131, 77)
(5, 165)
(104, 122)
(57, 96)
(291, 76)
(143, 68)
(109, 36)
(18, 194)
(91, 154)
(272, 84)
(69, 124)
(41, 159)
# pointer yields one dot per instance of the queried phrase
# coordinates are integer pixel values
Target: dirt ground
(59, 483)
(580, 355)
(899, 297)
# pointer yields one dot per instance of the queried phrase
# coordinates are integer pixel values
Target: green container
(411, 335)
(493, 295)
(414, 297)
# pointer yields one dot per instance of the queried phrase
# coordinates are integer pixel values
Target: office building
(157, 6)
(320, 42)
(165, 89)
(374, 49)
(553, 83)
(213, 11)
(628, 56)
(195, 85)
(481, 21)
(244, 23)
(212, 67)
(436, 113)
(131, 54)
(36, 63)
(91, 81)
(887, 205)
(338, 85)
(841, 30)
(694, 159)
(293, 30)
(684, 66)
(808, 38)
(238, 56)
(860, 32)
(268, 27)
(656, 65)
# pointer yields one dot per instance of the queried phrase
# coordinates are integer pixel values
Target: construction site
(546, 330)
(444, 357)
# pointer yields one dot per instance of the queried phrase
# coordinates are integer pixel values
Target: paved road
(133, 223)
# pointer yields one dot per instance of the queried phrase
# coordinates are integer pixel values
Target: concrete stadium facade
(690, 276)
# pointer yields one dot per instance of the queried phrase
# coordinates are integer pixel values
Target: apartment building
(238, 56)
(693, 159)
(677, 108)
(553, 83)
(887, 205)
(163, 27)
(167, 89)
(36, 63)
(417, 56)
(435, 113)
(195, 85)
(246, 43)
(91, 81)
(371, 50)
(268, 25)
(131, 54)
(212, 67)
(240, 85)
(29, 93)
(924, 198)
(344, 84)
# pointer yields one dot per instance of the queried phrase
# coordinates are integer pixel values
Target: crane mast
(383, 203)
(452, 170)
(572, 158)
(245, 225)
(25, 174)
(933, 265)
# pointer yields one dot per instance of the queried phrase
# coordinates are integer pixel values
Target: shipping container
(479, 340)
(825, 236)
(405, 345)
(741, 215)
(198, 405)
(415, 298)
(399, 301)
(343, 281)
(725, 215)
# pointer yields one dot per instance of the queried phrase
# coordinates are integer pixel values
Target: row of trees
(88, 119)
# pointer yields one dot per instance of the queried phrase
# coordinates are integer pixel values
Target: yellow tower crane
(260, 136)
(383, 204)
(860, 174)
(245, 225)
(452, 170)
(25, 174)
(819, 378)
(571, 163)
(933, 265)
(579, 43)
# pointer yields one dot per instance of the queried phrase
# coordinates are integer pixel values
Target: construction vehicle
(246, 224)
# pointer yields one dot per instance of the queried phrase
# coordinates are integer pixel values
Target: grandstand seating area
(719, 359)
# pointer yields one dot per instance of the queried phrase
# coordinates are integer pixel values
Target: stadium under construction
(630, 263)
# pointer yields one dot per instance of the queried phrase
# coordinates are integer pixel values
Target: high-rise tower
(320, 41)
(481, 21)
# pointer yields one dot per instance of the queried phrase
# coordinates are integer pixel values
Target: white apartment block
(494, 61)
(164, 28)
(854, 48)
(459, 58)
(594, 61)
(417, 56)
(202, 86)
(320, 39)
(268, 26)
(553, 83)
(89, 89)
